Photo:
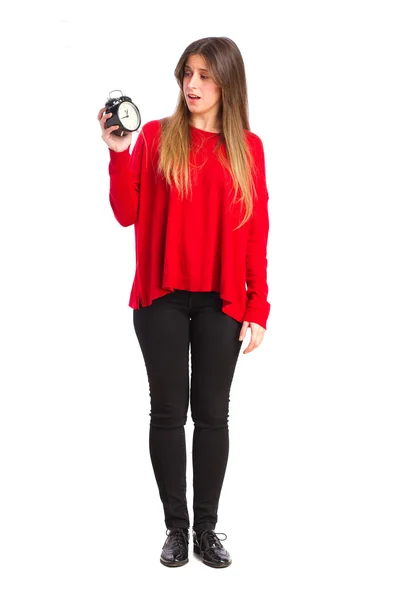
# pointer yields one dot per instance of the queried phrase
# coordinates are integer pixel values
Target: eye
(203, 76)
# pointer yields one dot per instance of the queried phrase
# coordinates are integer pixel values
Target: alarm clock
(124, 113)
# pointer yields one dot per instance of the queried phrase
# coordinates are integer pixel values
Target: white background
(311, 493)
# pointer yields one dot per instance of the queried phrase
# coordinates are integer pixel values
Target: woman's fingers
(106, 131)
(117, 142)
(100, 114)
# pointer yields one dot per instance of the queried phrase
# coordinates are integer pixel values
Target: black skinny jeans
(165, 330)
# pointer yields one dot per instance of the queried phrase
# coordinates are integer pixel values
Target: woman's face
(197, 80)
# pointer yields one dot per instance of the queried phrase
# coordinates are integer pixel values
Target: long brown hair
(225, 63)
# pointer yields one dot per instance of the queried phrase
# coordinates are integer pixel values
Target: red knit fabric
(190, 244)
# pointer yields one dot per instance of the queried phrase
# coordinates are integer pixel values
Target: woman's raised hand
(116, 143)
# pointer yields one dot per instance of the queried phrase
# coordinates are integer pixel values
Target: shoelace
(212, 538)
(180, 537)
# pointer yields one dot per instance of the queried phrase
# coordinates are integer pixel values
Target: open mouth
(193, 97)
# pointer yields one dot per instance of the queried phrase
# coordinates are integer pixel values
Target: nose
(192, 82)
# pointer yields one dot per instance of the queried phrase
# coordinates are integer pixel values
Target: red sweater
(190, 244)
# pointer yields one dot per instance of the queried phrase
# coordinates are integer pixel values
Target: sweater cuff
(256, 315)
(118, 156)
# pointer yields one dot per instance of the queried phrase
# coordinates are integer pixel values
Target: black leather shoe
(208, 546)
(175, 550)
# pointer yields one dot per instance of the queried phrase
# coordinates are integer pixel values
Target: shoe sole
(179, 563)
(208, 563)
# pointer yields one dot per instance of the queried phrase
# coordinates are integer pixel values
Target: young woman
(195, 189)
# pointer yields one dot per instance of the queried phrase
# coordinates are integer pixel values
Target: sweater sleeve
(124, 170)
(258, 307)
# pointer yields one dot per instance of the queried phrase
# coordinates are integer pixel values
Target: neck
(211, 126)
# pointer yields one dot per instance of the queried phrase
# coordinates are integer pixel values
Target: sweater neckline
(203, 131)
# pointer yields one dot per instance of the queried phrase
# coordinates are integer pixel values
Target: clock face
(128, 115)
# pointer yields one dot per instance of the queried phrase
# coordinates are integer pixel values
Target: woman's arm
(258, 307)
(124, 170)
